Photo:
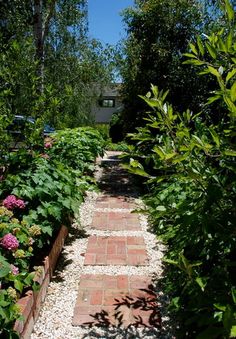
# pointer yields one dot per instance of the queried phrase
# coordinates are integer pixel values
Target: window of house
(108, 103)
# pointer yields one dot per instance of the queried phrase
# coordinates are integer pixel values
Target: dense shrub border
(40, 191)
(189, 160)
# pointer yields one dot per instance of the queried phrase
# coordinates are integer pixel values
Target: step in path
(106, 282)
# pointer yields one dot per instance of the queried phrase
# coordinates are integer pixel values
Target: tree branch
(48, 18)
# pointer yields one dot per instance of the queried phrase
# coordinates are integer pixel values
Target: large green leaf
(5, 268)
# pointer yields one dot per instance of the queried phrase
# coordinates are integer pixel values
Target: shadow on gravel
(61, 265)
(74, 234)
(62, 260)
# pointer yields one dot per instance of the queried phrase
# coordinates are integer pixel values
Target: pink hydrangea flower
(20, 204)
(10, 242)
(14, 270)
(12, 202)
(48, 145)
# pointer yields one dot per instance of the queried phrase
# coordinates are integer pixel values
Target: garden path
(106, 282)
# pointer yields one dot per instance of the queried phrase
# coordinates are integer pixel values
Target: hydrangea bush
(11, 202)
(40, 191)
(16, 249)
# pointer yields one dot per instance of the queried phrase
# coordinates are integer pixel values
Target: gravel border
(55, 317)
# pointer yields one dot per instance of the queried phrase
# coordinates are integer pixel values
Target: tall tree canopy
(48, 64)
(159, 32)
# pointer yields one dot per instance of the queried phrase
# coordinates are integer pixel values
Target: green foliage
(77, 148)
(189, 164)
(119, 146)
(103, 130)
(63, 101)
(158, 35)
(51, 191)
(14, 266)
(52, 185)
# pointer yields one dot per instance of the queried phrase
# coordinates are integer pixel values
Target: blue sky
(105, 22)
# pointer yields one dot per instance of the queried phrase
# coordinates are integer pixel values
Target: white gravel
(56, 314)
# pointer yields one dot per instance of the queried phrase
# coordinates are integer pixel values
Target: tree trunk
(39, 43)
(41, 30)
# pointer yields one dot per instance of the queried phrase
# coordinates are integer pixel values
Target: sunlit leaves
(191, 199)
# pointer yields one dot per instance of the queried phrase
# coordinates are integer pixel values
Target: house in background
(109, 102)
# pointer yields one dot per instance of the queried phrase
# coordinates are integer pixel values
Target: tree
(158, 35)
(55, 64)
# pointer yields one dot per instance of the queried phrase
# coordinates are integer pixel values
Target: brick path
(119, 300)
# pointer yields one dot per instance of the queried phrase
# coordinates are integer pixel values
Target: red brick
(40, 295)
(96, 297)
(96, 250)
(137, 251)
(26, 303)
(110, 282)
(28, 328)
(101, 259)
(82, 309)
(111, 249)
(92, 240)
(122, 282)
(133, 260)
(82, 319)
(135, 241)
(121, 249)
(142, 259)
(89, 259)
(91, 283)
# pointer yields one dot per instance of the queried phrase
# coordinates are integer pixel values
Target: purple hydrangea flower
(12, 202)
(10, 242)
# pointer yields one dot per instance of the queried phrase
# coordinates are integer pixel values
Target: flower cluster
(12, 202)
(19, 254)
(48, 145)
(12, 293)
(35, 230)
(14, 270)
(5, 212)
(10, 242)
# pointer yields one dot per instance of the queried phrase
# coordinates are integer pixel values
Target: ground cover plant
(188, 160)
(40, 191)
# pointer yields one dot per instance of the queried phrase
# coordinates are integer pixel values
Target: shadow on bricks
(126, 315)
(116, 181)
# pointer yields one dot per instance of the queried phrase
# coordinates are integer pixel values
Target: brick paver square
(107, 201)
(116, 221)
(116, 251)
(116, 300)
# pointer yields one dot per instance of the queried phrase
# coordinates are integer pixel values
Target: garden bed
(31, 303)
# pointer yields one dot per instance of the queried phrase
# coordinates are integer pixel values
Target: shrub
(76, 148)
(190, 166)
(39, 192)
(16, 249)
